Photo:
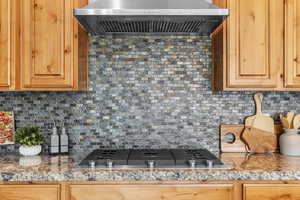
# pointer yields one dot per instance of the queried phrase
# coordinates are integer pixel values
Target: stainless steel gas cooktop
(153, 158)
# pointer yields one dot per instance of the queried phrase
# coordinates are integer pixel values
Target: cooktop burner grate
(152, 158)
(200, 156)
(101, 156)
(144, 156)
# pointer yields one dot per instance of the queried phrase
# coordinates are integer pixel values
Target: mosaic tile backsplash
(146, 91)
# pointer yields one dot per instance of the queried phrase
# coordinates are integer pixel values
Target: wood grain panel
(8, 42)
(219, 52)
(80, 51)
(151, 192)
(254, 43)
(29, 192)
(272, 192)
(218, 59)
(47, 32)
(292, 44)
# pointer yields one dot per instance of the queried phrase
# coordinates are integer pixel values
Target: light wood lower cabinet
(231, 190)
(151, 192)
(271, 192)
(29, 192)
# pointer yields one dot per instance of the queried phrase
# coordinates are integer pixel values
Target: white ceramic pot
(290, 142)
(30, 151)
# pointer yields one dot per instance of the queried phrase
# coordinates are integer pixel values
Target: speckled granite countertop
(64, 168)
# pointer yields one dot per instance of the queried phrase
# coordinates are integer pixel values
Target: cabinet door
(272, 192)
(7, 44)
(292, 48)
(150, 192)
(46, 55)
(255, 44)
(29, 192)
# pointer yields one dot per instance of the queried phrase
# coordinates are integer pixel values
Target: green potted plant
(31, 139)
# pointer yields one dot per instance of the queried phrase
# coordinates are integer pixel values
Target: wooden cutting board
(259, 133)
(229, 131)
(296, 122)
(238, 145)
(259, 141)
(259, 120)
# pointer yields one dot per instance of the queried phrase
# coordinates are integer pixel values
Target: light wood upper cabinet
(253, 39)
(292, 44)
(151, 192)
(46, 55)
(29, 192)
(249, 47)
(50, 54)
(8, 42)
(272, 192)
(42, 46)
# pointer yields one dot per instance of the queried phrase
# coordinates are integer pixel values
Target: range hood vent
(150, 16)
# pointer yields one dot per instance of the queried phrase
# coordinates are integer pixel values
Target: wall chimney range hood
(150, 16)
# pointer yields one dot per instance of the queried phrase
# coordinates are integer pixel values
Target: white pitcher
(290, 142)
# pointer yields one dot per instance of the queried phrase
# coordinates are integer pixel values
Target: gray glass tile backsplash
(145, 92)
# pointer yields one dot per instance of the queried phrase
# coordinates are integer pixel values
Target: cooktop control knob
(210, 164)
(92, 164)
(192, 163)
(109, 163)
(151, 163)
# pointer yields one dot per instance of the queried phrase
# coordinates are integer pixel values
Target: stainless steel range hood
(150, 16)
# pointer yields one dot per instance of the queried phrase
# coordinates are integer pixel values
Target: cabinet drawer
(29, 192)
(151, 192)
(272, 192)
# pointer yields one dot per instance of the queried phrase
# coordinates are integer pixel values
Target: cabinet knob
(296, 60)
(68, 50)
(33, 53)
(281, 76)
(49, 69)
(37, 6)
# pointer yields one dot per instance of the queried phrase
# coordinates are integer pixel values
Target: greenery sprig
(29, 136)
